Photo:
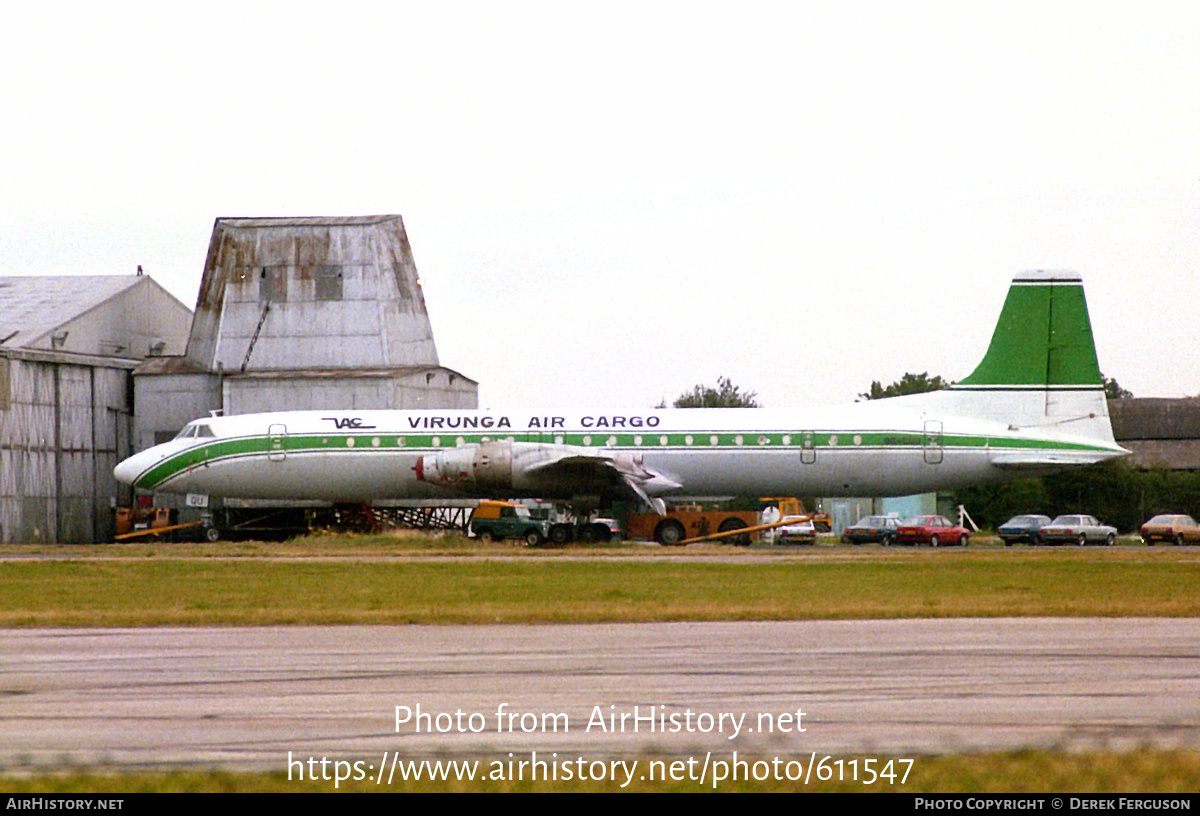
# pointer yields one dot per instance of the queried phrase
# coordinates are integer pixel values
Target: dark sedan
(872, 530)
(1023, 528)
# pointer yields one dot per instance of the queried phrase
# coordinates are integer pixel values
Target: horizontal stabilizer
(1042, 459)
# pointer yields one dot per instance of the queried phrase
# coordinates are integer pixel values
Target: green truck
(497, 520)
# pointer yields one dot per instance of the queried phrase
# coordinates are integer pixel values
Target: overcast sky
(611, 202)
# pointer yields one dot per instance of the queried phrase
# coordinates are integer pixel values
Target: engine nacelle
(486, 465)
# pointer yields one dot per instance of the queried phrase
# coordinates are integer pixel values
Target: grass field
(383, 580)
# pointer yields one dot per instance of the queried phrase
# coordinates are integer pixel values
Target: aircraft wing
(582, 465)
(501, 467)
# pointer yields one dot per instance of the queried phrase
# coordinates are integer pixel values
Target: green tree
(908, 384)
(1114, 391)
(725, 395)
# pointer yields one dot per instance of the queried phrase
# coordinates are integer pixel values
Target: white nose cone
(128, 470)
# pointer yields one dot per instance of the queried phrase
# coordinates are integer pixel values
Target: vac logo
(348, 422)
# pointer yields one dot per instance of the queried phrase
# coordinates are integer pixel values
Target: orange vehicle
(684, 521)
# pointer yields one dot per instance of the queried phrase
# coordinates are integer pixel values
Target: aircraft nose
(128, 470)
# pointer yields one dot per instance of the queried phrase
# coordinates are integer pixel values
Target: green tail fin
(1043, 338)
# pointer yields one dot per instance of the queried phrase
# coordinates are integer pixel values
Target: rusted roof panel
(340, 373)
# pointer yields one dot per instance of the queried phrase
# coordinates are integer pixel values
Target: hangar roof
(126, 316)
(33, 306)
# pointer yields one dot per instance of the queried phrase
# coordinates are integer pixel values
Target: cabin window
(329, 283)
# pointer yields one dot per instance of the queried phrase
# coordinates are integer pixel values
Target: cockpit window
(194, 429)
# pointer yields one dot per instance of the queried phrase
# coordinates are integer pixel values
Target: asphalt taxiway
(244, 698)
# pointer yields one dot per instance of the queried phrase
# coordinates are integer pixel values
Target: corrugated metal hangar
(293, 313)
(67, 348)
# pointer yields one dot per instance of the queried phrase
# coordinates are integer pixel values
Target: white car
(1079, 530)
(796, 530)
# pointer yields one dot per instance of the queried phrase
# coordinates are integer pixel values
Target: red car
(934, 530)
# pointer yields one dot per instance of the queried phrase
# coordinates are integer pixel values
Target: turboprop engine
(488, 464)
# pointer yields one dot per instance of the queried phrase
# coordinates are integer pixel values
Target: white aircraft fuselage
(1035, 403)
(861, 449)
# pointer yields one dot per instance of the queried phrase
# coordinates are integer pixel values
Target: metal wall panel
(63, 432)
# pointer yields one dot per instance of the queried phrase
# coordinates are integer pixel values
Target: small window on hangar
(272, 283)
(329, 283)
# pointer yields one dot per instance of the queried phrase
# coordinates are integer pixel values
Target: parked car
(1078, 530)
(796, 530)
(1023, 528)
(1177, 529)
(933, 530)
(872, 530)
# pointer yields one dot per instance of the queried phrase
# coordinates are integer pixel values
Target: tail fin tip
(1043, 338)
